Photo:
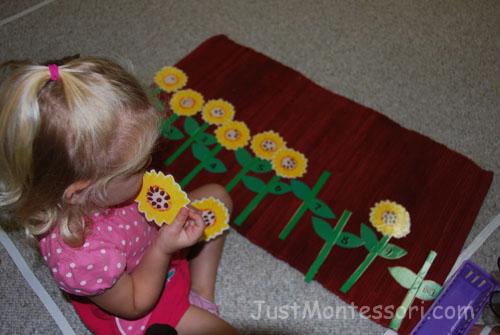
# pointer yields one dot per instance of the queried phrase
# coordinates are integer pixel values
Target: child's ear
(74, 192)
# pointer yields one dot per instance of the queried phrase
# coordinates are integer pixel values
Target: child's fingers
(197, 226)
(196, 217)
(180, 219)
(194, 209)
(192, 214)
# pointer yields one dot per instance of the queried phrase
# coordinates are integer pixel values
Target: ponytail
(83, 120)
(19, 125)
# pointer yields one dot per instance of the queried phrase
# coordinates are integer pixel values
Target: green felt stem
(186, 143)
(256, 200)
(200, 165)
(412, 292)
(328, 246)
(368, 260)
(305, 205)
(237, 178)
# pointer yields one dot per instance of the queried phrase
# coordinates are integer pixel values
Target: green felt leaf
(152, 97)
(429, 290)
(369, 237)
(190, 125)
(206, 139)
(165, 125)
(300, 189)
(322, 228)
(262, 166)
(319, 208)
(280, 188)
(158, 104)
(215, 165)
(392, 251)
(348, 240)
(148, 90)
(172, 133)
(199, 151)
(253, 184)
(405, 277)
(243, 157)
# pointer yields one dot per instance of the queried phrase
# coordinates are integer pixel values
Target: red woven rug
(357, 157)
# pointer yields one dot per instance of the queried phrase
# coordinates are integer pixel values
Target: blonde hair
(93, 123)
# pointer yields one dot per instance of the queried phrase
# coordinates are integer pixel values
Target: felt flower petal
(266, 144)
(233, 135)
(288, 163)
(160, 198)
(217, 112)
(170, 79)
(186, 102)
(214, 214)
(390, 219)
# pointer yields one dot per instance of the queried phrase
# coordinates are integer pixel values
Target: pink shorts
(173, 303)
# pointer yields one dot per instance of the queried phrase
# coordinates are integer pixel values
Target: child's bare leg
(203, 266)
(198, 321)
(205, 256)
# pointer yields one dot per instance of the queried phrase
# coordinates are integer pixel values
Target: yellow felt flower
(390, 219)
(186, 102)
(214, 214)
(160, 198)
(233, 135)
(288, 163)
(266, 144)
(217, 112)
(170, 79)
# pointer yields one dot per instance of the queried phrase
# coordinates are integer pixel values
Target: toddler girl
(77, 137)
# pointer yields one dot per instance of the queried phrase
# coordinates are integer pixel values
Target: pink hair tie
(54, 72)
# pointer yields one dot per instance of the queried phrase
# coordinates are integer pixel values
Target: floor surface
(432, 66)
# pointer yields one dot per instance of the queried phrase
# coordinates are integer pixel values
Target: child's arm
(135, 294)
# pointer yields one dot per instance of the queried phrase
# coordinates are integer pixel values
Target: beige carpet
(431, 66)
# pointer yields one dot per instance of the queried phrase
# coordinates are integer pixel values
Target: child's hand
(184, 231)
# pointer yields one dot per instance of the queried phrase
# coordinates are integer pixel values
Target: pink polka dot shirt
(117, 242)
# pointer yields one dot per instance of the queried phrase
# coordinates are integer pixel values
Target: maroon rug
(357, 158)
